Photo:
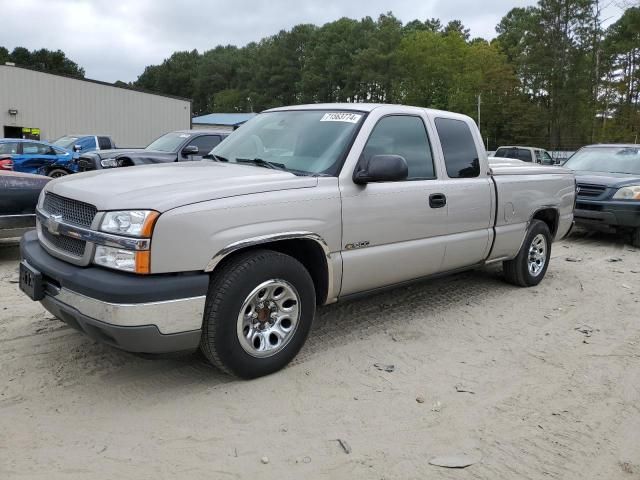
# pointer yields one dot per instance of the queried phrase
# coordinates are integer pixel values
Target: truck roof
(204, 131)
(518, 146)
(364, 107)
(615, 145)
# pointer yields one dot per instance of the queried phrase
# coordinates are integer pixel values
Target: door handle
(437, 200)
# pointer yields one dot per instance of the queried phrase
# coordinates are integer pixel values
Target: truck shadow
(581, 236)
(80, 361)
(335, 325)
(9, 251)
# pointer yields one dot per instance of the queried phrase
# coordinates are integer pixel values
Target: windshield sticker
(184, 135)
(341, 117)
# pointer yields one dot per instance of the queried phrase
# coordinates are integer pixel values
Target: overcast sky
(114, 40)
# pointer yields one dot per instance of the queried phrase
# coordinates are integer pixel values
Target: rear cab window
(459, 148)
(104, 143)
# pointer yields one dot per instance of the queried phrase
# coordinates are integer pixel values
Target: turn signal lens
(143, 262)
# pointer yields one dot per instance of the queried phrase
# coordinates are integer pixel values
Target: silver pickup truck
(302, 206)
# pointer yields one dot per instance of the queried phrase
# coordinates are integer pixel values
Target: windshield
(66, 141)
(606, 159)
(169, 142)
(311, 142)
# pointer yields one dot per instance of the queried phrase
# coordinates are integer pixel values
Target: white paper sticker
(341, 117)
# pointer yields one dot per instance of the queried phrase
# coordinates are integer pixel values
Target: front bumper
(607, 214)
(150, 314)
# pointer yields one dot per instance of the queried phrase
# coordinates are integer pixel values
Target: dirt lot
(549, 381)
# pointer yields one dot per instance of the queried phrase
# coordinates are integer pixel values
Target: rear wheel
(530, 265)
(259, 310)
(57, 172)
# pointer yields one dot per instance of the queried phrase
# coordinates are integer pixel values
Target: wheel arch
(549, 215)
(308, 248)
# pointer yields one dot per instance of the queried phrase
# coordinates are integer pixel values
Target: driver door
(393, 231)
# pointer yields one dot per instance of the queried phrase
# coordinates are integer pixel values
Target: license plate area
(31, 281)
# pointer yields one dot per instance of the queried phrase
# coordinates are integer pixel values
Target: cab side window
(524, 155)
(406, 136)
(37, 149)
(205, 143)
(104, 143)
(10, 148)
(460, 154)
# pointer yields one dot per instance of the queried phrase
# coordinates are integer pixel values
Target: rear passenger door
(469, 195)
(391, 233)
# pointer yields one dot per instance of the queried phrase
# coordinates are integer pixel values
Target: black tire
(228, 290)
(516, 271)
(57, 173)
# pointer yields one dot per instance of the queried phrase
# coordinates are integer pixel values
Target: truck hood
(165, 186)
(607, 179)
(102, 154)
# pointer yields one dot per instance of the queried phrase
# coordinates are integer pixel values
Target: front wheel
(259, 309)
(530, 265)
(57, 173)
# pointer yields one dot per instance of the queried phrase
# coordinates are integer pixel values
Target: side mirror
(382, 168)
(77, 148)
(190, 150)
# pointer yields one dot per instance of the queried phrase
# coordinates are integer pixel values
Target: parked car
(18, 198)
(178, 146)
(300, 207)
(34, 156)
(608, 179)
(526, 154)
(85, 143)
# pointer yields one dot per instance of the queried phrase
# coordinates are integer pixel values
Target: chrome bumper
(170, 316)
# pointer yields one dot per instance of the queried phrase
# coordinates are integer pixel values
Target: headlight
(631, 192)
(109, 163)
(119, 259)
(134, 223)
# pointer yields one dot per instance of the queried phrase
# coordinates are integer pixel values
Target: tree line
(46, 60)
(553, 77)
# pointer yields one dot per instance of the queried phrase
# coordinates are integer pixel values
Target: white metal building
(46, 106)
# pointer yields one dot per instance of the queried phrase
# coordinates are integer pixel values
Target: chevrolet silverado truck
(301, 207)
(178, 146)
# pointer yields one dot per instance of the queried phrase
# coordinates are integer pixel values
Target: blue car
(34, 156)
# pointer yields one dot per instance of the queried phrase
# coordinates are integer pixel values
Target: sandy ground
(548, 401)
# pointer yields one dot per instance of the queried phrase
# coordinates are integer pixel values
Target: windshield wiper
(217, 158)
(262, 163)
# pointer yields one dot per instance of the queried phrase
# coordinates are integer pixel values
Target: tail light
(6, 164)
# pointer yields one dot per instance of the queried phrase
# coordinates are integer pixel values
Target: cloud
(115, 40)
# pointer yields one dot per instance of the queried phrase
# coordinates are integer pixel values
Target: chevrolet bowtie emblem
(53, 223)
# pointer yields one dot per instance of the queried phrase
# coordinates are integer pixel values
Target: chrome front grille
(69, 245)
(587, 190)
(72, 211)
